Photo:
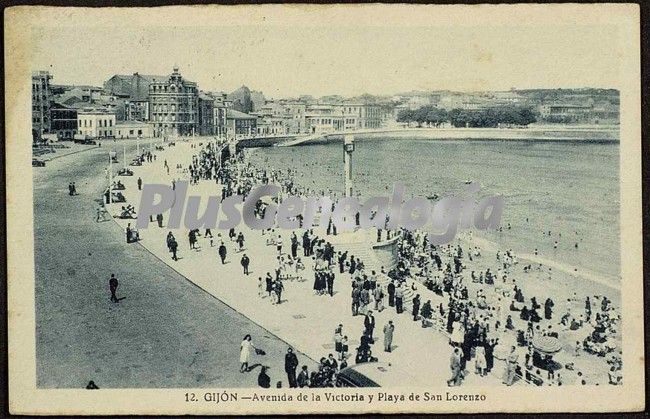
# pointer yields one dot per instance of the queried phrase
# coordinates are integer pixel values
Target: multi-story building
(63, 121)
(346, 116)
(239, 123)
(134, 90)
(136, 110)
(296, 122)
(173, 105)
(96, 123)
(206, 114)
(564, 112)
(321, 118)
(40, 104)
(220, 107)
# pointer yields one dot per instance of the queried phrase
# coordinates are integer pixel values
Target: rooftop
(233, 114)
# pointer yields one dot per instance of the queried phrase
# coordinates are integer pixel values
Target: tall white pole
(347, 160)
(110, 178)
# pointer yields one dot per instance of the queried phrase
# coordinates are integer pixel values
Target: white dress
(480, 357)
(245, 351)
(458, 333)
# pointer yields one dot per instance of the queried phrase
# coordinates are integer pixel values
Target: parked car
(38, 163)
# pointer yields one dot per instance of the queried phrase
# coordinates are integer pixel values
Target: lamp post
(110, 176)
(348, 148)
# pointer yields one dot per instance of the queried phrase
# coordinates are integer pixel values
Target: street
(165, 333)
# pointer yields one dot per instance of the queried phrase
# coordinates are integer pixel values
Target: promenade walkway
(303, 319)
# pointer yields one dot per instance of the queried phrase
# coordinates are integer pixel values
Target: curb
(70, 154)
(214, 296)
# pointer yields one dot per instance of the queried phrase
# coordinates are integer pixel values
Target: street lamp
(348, 148)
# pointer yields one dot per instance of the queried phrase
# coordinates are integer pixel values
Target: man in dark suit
(113, 284)
(369, 323)
(330, 283)
(245, 261)
(290, 365)
(222, 253)
(391, 294)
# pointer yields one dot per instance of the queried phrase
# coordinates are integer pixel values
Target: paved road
(166, 333)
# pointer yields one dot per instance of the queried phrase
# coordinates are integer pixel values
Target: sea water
(569, 188)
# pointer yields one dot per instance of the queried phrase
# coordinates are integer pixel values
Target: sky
(320, 58)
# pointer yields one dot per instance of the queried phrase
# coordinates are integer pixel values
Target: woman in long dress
(481, 362)
(458, 333)
(245, 353)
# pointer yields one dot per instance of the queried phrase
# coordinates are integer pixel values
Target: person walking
(416, 307)
(245, 261)
(330, 283)
(245, 353)
(369, 324)
(269, 284)
(278, 244)
(455, 368)
(240, 241)
(480, 361)
(389, 328)
(159, 219)
(222, 253)
(290, 365)
(399, 299)
(338, 338)
(344, 349)
(139, 184)
(294, 247)
(113, 283)
(511, 367)
(391, 294)
(173, 247)
(192, 238)
(278, 290)
(489, 354)
(378, 295)
(356, 298)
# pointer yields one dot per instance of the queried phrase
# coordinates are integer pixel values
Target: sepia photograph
(325, 209)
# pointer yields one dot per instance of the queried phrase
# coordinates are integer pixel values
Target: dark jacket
(369, 322)
(290, 362)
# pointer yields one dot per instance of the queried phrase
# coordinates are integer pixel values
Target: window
(130, 132)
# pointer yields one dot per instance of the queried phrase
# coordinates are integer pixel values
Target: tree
(405, 115)
(458, 118)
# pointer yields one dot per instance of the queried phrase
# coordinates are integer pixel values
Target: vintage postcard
(285, 209)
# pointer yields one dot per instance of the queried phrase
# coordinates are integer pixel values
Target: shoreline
(542, 133)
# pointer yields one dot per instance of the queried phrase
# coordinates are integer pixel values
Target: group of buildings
(566, 106)
(138, 105)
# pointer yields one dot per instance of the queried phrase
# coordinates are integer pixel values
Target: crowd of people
(484, 311)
